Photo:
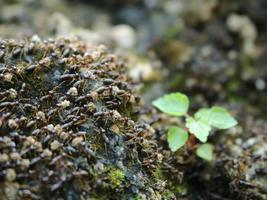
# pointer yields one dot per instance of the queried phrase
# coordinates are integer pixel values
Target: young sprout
(199, 125)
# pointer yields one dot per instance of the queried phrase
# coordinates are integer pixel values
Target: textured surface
(66, 125)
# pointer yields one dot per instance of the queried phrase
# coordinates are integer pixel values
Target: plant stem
(192, 143)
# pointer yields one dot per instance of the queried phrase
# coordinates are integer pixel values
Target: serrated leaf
(175, 104)
(199, 128)
(217, 117)
(205, 151)
(177, 138)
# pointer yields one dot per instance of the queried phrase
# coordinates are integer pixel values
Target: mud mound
(66, 125)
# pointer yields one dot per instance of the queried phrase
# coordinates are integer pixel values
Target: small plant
(199, 125)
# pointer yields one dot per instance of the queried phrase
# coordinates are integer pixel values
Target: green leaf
(199, 128)
(216, 116)
(177, 138)
(175, 104)
(205, 151)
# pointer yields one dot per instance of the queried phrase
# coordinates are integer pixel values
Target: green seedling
(199, 125)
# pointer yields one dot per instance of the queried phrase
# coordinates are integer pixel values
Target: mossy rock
(68, 126)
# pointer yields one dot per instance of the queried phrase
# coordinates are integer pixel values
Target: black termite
(112, 104)
(67, 124)
(31, 123)
(22, 90)
(100, 89)
(17, 51)
(52, 112)
(79, 173)
(78, 83)
(84, 98)
(247, 184)
(46, 97)
(56, 186)
(25, 151)
(62, 61)
(4, 95)
(57, 158)
(54, 55)
(47, 138)
(75, 109)
(89, 152)
(35, 160)
(110, 81)
(29, 106)
(106, 139)
(31, 68)
(8, 104)
(68, 77)
(68, 118)
(25, 193)
(66, 52)
(100, 113)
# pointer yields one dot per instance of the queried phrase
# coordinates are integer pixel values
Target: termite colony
(66, 128)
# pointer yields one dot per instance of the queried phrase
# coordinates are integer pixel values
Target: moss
(138, 197)
(158, 173)
(116, 177)
(180, 190)
(168, 195)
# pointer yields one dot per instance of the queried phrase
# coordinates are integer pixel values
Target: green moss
(116, 177)
(168, 195)
(138, 197)
(158, 173)
(180, 189)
